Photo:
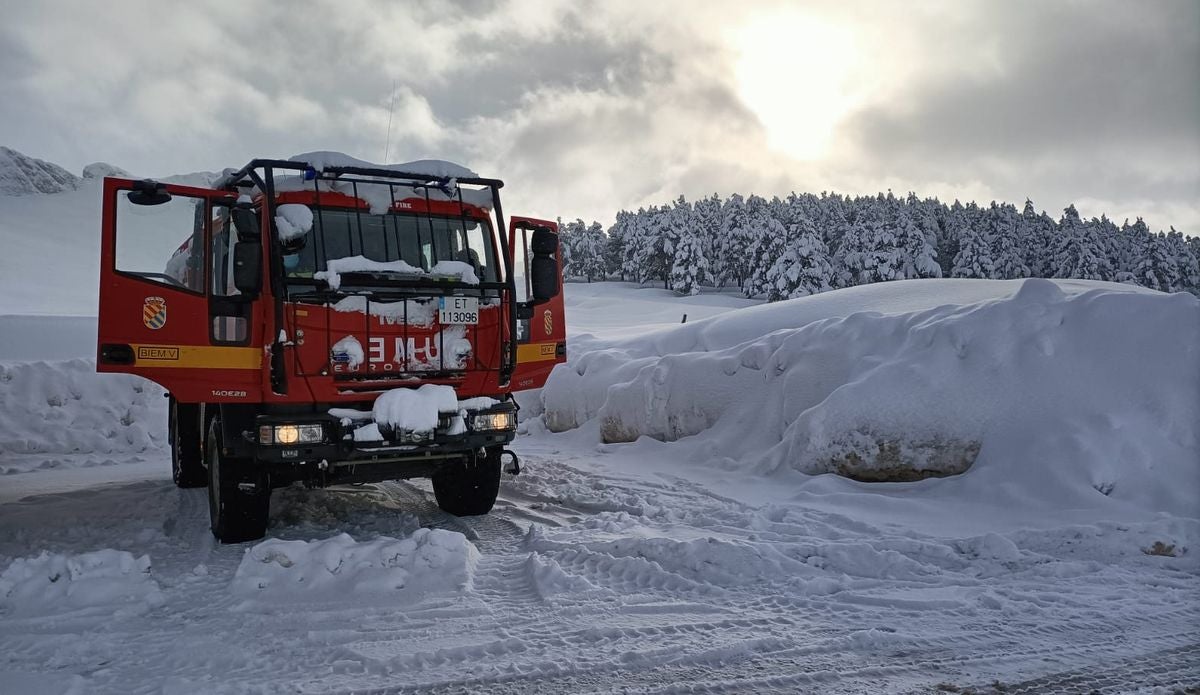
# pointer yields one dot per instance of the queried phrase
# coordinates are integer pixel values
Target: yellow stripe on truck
(535, 352)
(197, 357)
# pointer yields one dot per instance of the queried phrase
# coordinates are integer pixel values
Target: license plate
(458, 310)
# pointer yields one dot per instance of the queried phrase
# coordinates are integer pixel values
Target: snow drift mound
(51, 583)
(66, 407)
(1082, 391)
(428, 561)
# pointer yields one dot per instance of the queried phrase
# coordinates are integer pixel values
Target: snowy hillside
(22, 175)
(50, 233)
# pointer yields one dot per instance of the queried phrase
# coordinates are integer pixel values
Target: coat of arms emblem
(154, 312)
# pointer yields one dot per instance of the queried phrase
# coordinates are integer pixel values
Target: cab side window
(162, 243)
(521, 255)
(229, 324)
(223, 239)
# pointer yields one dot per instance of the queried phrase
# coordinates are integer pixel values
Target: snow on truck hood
(455, 270)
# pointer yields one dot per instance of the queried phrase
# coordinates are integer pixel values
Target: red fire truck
(330, 321)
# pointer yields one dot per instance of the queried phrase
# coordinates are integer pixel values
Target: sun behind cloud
(795, 72)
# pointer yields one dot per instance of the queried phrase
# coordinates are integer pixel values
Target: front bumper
(340, 448)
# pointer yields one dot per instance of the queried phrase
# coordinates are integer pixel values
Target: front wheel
(469, 488)
(239, 495)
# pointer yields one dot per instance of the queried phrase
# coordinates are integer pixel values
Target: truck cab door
(167, 309)
(541, 326)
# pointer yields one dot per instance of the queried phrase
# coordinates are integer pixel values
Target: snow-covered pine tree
(1158, 269)
(1131, 246)
(589, 251)
(1030, 239)
(833, 227)
(735, 241)
(915, 255)
(566, 246)
(1108, 238)
(767, 249)
(707, 225)
(804, 268)
(659, 252)
(767, 243)
(638, 240)
(1186, 263)
(1076, 252)
(688, 265)
(923, 214)
(614, 245)
(1193, 246)
(866, 251)
(1007, 256)
(954, 223)
(974, 259)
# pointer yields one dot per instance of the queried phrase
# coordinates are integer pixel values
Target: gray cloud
(587, 108)
(1087, 100)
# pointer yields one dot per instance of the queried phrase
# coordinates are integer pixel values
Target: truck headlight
(493, 421)
(287, 435)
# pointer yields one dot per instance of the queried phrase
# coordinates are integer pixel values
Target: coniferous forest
(805, 244)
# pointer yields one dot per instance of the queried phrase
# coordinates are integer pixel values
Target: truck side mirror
(247, 267)
(543, 267)
(148, 193)
(245, 221)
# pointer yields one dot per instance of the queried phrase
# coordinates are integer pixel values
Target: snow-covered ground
(702, 557)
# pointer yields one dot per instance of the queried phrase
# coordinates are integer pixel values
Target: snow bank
(52, 583)
(353, 264)
(66, 407)
(1068, 392)
(429, 561)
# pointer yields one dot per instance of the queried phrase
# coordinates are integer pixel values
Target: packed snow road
(652, 565)
(588, 581)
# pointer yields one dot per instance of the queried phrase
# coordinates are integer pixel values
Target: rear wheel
(239, 495)
(469, 488)
(187, 461)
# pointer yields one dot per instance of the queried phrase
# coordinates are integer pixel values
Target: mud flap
(514, 466)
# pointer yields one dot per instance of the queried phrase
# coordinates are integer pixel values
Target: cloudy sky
(584, 108)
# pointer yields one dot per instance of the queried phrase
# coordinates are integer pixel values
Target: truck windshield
(421, 241)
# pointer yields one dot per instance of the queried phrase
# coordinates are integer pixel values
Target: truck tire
(237, 514)
(469, 488)
(187, 459)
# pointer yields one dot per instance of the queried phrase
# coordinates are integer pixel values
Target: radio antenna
(391, 109)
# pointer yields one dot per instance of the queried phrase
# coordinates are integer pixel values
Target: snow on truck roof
(434, 168)
(380, 200)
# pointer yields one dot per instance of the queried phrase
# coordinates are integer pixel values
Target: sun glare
(794, 72)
